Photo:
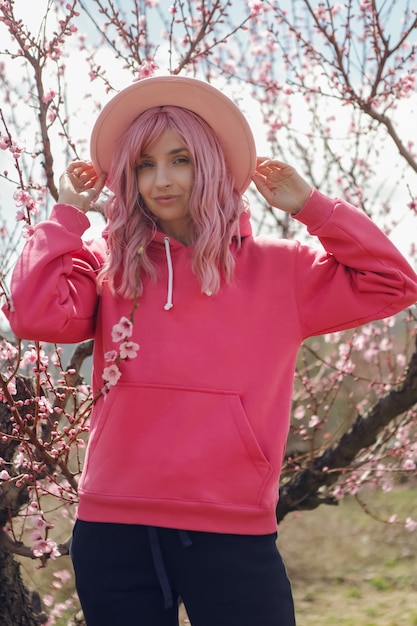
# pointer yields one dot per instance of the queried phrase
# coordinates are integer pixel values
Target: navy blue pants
(128, 575)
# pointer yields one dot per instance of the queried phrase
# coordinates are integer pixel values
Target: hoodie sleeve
(53, 286)
(359, 277)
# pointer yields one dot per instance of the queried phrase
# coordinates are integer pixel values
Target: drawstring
(169, 304)
(185, 539)
(160, 567)
(158, 562)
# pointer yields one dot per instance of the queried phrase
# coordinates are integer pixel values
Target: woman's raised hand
(80, 185)
(281, 185)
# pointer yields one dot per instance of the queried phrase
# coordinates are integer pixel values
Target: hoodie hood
(245, 225)
(171, 245)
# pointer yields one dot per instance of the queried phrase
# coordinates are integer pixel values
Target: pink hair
(215, 204)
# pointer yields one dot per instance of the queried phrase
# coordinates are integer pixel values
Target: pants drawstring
(185, 538)
(159, 562)
(160, 567)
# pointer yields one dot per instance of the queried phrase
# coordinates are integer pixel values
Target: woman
(197, 327)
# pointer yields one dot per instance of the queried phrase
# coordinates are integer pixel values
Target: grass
(346, 568)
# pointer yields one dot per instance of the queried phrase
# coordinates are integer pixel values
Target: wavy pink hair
(215, 204)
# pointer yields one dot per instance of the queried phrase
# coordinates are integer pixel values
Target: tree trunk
(18, 605)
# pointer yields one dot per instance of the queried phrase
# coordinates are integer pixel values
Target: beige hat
(221, 113)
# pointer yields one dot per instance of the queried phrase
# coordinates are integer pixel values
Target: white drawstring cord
(169, 304)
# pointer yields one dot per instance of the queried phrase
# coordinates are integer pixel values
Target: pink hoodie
(193, 434)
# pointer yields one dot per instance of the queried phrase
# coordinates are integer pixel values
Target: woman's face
(165, 180)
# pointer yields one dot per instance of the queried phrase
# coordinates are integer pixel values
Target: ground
(348, 569)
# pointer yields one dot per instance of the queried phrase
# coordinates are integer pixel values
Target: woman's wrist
(72, 200)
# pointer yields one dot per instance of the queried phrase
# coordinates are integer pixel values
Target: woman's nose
(162, 178)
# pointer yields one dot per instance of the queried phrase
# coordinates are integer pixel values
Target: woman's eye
(143, 165)
(182, 160)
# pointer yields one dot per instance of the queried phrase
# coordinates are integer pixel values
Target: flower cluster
(15, 147)
(42, 546)
(121, 333)
(146, 69)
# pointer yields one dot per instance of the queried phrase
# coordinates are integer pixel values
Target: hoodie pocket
(172, 443)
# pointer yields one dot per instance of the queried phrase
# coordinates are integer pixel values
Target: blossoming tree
(327, 87)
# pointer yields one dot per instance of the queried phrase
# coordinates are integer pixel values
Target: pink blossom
(39, 523)
(84, 389)
(122, 330)
(401, 360)
(371, 352)
(128, 350)
(20, 460)
(20, 216)
(27, 231)
(410, 524)
(23, 198)
(333, 337)
(409, 465)
(366, 6)
(7, 351)
(48, 600)
(4, 142)
(385, 344)
(353, 489)
(31, 357)
(63, 575)
(111, 356)
(4, 475)
(314, 421)
(299, 412)
(16, 148)
(345, 365)
(46, 546)
(47, 97)
(344, 350)
(11, 387)
(274, 127)
(146, 69)
(111, 374)
(387, 486)
(45, 406)
(256, 7)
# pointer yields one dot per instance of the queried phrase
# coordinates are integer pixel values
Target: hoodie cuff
(316, 211)
(71, 218)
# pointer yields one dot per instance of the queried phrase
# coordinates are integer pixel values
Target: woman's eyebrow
(178, 150)
(171, 152)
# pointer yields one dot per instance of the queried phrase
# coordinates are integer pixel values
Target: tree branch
(15, 547)
(302, 491)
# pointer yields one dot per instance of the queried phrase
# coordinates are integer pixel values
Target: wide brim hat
(219, 111)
